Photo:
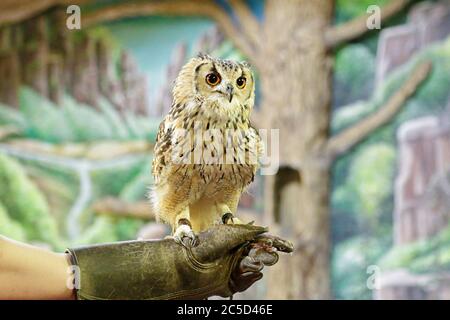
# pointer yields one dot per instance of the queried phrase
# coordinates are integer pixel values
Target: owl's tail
(153, 198)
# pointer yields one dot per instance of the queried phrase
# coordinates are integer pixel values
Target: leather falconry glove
(228, 259)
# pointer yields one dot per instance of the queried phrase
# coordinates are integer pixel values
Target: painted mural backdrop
(79, 110)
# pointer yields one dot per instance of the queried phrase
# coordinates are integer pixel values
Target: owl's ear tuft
(203, 56)
(246, 64)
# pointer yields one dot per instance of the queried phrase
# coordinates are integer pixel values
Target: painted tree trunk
(85, 79)
(56, 79)
(9, 67)
(63, 44)
(296, 98)
(35, 55)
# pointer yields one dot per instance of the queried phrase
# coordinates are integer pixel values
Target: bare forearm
(28, 272)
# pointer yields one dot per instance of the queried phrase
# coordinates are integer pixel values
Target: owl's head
(224, 87)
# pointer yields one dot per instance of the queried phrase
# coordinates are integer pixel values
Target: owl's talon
(185, 236)
(191, 240)
(249, 264)
(227, 218)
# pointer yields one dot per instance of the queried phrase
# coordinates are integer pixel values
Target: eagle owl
(206, 151)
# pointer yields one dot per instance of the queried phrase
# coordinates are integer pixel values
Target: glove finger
(248, 264)
(243, 281)
(264, 255)
(275, 242)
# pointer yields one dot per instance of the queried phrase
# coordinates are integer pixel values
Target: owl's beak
(229, 92)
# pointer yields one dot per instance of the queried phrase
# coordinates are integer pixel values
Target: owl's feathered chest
(206, 152)
(210, 179)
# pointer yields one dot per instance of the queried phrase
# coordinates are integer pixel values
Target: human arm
(29, 272)
(229, 259)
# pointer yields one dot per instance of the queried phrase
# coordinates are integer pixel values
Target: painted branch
(7, 131)
(248, 22)
(14, 11)
(92, 151)
(35, 54)
(357, 27)
(55, 78)
(121, 209)
(207, 8)
(349, 137)
(10, 68)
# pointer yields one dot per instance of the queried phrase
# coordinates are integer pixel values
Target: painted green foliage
(67, 123)
(362, 197)
(127, 183)
(9, 227)
(353, 81)
(348, 9)
(362, 200)
(23, 202)
(373, 165)
(351, 260)
(431, 98)
(431, 255)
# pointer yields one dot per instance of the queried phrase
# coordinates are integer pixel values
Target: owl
(206, 151)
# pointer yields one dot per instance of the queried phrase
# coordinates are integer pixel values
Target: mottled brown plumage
(206, 151)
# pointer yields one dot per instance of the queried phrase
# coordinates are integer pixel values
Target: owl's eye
(213, 79)
(241, 81)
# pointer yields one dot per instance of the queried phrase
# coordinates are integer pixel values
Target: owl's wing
(259, 145)
(162, 150)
